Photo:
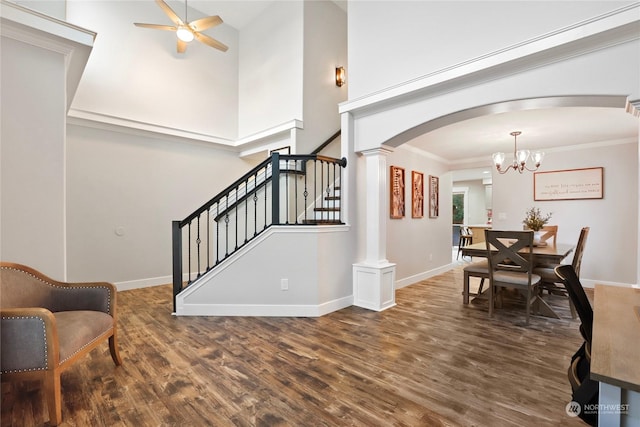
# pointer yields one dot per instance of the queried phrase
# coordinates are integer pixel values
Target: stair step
(332, 198)
(326, 209)
(321, 221)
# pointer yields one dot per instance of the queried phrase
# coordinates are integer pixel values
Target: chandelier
(520, 158)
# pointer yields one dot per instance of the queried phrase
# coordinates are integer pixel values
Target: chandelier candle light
(520, 158)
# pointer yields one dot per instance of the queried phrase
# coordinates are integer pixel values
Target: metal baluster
(246, 209)
(337, 201)
(296, 189)
(235, 208)
(189, 250)
(198, 241)
(315, 187)
(286, 192)
(217, 234)
(226, 225)
(208, 241)
(255, 205)
(306, 192)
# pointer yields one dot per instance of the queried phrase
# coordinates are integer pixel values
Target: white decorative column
(374, 278)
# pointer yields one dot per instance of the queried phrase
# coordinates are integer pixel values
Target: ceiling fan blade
(210, 41)
(182, 46)
(155, 26)
(205, 23)
(170, 13)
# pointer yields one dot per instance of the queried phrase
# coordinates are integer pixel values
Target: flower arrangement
(535, 220)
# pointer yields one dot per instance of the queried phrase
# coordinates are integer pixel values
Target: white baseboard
(423, 276)
(143, 283)
(264, 310)
(588, 283)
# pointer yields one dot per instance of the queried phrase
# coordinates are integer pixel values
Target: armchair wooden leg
(113, 348)
(53, 397)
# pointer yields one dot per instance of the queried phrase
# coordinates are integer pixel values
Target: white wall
(270, 70)
(391, 118)
(313, 261)
(123, 193)
(392, 42)
(611, 248)
(32, 192)
(135, 73)
(55, 8)
(325, 48)
(420, 245)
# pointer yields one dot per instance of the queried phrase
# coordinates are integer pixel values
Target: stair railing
(282, 190)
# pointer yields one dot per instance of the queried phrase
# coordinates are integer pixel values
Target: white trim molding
(610, 29)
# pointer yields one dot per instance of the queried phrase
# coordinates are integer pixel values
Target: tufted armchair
(48, 325)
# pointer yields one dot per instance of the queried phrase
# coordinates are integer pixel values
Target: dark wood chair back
(506, 254)
(577, 256)
(579, 299)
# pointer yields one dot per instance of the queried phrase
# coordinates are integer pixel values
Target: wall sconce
(340, 77)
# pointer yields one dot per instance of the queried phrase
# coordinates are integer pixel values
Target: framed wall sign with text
(570, 184)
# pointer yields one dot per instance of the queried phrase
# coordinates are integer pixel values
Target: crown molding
(616, 27)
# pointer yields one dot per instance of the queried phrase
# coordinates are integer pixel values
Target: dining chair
(549, 233)
(466, 237)
(584, 390)
(510, 263)
(478, 269)
(550, 280)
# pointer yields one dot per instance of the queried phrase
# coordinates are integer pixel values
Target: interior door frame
(465, 201)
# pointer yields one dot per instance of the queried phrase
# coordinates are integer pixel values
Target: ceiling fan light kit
(184, 34)
(188, 31)
(520, 158)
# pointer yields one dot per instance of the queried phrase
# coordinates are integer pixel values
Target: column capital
(382, 151)
(633, 107)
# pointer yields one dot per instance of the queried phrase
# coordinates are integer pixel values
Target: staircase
(329, 210)
(289, 190)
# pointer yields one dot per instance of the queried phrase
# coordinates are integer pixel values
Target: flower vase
(537, 238)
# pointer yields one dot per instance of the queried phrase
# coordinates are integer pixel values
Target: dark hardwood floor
(429, 361)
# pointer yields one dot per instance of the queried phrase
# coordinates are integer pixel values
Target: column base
(374, 286)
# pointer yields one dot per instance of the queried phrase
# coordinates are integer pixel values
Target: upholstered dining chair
(550, 280)
(511, 268)
(47, 325)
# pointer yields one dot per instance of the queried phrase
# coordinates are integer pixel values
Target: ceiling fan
(186, 32)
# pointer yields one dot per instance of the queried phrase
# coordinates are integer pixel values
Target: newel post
(275, 188)
(176, 239)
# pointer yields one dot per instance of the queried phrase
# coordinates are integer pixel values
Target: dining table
(544, 254)
(614, 354)
(548, 254)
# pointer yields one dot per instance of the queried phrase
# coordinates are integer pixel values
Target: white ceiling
(542, 129)
(237, 13)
